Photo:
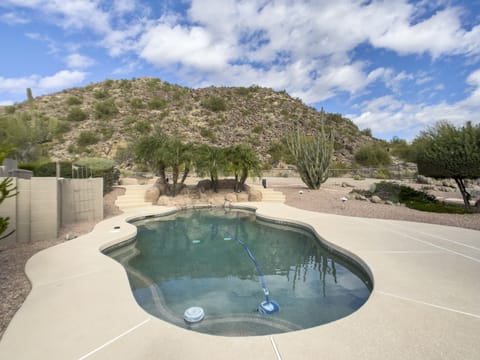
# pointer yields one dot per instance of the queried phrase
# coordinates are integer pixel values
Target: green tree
(7, 190)
(210, 160)
(27, 133)
(445, 151)
(373, 155)
(160, 152)
(312, 156)
(401, 149)
(243, 161)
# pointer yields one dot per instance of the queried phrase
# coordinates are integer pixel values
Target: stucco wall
(44, 204)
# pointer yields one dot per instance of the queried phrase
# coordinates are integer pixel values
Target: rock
(360, 197)
(376, 200)
(204, 185)
(388, 202)
(344, 184)
(231, 197)
(70, 236)
(254, 195)
(242, 197)
(424, 180)
(164, 200)
(152, 194)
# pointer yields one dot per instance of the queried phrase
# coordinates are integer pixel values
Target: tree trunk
(466, 196)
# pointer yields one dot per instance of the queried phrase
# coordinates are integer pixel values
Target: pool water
(193, 258)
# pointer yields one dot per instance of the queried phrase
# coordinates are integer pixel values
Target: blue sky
(392, 66)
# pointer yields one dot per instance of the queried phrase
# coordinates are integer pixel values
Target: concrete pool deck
(425, 303)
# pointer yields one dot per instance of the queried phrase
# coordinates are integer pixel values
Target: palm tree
(243, 160)
(210, 160)
(150, 151)
(176, 155)
(160, 152)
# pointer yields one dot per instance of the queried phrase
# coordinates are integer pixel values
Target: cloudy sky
(394, 66)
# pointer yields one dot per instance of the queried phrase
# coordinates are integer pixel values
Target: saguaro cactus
(312, 156)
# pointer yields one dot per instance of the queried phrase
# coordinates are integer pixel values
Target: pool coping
(424, 303)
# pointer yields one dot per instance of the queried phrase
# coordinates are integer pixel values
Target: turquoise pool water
(193, 258)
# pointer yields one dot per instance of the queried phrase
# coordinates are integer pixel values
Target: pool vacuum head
(268, 307)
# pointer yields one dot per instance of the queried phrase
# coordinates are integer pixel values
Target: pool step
(134, 197)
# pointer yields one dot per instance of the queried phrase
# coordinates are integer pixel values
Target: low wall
(44, 204)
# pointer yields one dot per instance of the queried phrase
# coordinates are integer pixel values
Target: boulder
(376, 200)
(242, 197)
(204, 185)
(152, 194)
(254, 195)
(232, 197)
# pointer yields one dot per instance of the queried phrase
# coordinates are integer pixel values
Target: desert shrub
(100, 94)
(373, 155)
(142, 127)
(157, 103)
(105, 109)
(107, 133)
(209, 134)
(101, 167)
(73, 100)
(10, 109)
(87, 138)
(28, 166)
(367, 132)
(50, 169)
(137, 103)
(412, 198)
(242, 91)
(382, 173)
(258, 129)
(76, 114)
(339, 168)
(214, 103)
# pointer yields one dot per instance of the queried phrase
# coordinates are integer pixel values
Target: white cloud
(16, 87)
(62, 79)
(387, 115)
(166, 45)
(13, 18)
(13, 85)
(78, 61)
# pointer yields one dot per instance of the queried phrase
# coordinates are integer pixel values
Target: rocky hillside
(102, 119)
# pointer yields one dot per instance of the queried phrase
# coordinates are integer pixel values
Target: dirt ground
(14, 285)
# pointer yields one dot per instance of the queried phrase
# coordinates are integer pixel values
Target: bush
(157, 103)
(104, 168)
(209, 134)
(382, 173)
(73, 100)
(76, 114)
(28, 166)
(87, 138)
(106, 109)
(100, 94)
(214, 103)
(10, 109)
(50, 169)
(136, 103)
(373, 155)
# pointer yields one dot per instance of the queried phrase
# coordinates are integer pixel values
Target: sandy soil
(14, 285)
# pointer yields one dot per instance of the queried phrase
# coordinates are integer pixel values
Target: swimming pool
(222, 260)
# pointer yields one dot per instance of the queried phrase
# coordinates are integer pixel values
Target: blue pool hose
(268, 306)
